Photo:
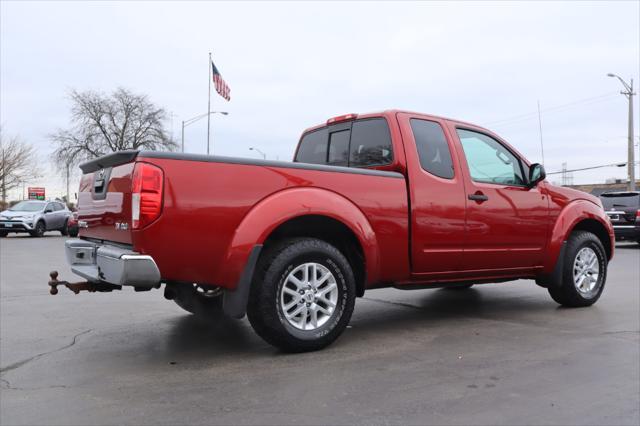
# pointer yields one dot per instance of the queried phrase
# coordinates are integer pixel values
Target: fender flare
(278, 208)
(572, 214)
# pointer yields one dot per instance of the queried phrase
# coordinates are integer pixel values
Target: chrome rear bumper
(102, 263)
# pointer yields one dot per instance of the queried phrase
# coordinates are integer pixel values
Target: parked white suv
(35, 217)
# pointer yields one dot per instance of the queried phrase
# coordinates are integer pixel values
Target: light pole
(264, 156)
(631, 164)
(192, 120)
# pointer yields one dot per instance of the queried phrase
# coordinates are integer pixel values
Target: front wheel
(584, 271)
(302, 295)
(3, 234)
(39, 230)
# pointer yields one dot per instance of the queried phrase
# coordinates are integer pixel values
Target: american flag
(221, 86)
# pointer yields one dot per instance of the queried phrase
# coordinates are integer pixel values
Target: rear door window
(370, 143)
(433, 149)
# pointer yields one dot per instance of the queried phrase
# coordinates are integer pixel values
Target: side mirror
(536, 174)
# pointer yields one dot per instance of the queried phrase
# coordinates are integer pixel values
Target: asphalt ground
(494, 354)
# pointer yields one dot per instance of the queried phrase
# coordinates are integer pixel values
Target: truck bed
(206, 198)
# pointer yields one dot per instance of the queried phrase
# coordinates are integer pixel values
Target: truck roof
(393, 112)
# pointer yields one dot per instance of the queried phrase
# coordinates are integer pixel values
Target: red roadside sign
(36, 193)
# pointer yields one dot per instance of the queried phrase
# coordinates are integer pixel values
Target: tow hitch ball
(80, 286)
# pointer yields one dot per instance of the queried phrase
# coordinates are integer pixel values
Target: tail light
(146, 194)
(638, 215)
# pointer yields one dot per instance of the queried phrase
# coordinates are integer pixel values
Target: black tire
(566, 292)
(39, 230)
(3, 234)
(64, 231)
(201, 303)
(265, 312)
(73, 231)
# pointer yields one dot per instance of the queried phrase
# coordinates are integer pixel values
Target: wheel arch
(578, 215)
(297, 212)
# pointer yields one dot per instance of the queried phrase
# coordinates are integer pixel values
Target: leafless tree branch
(107, 123)
(18, 163)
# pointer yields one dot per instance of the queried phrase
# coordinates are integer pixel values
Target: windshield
(620, 199)
(27, 206)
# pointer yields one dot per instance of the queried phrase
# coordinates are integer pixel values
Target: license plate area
(84, 256)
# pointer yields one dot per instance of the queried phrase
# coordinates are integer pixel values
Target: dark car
(623, 209)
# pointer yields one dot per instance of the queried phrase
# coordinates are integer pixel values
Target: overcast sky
(293, 65)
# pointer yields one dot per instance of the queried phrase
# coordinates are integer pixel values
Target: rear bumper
(102, 263)
(627, 232)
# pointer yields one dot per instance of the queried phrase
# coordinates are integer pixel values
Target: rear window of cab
(361, 143)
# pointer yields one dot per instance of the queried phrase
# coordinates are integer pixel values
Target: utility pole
(182, 138)
(68, 200)
(631, 164)
(4, 180)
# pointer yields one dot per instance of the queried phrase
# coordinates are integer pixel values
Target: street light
(192, 120)
(264, 156)
(631, 150)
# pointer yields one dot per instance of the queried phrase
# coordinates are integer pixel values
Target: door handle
(478, 196)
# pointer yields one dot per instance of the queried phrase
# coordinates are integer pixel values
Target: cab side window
(489, 161)
(433, 149)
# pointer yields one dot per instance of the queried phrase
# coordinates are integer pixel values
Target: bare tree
(17, 163)
(107, 123)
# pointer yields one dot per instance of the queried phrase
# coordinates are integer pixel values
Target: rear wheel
(584, 271)
(302, 296)
(201, 301)
(73, 231)
(39, 230)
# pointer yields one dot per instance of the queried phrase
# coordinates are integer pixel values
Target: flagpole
(209, 105)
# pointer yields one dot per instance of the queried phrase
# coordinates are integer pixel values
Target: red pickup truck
(392, 199)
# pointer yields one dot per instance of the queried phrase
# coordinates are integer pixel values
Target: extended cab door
(507, 221)
(437, 195)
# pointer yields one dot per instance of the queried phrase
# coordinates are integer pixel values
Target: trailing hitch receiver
(80, 286)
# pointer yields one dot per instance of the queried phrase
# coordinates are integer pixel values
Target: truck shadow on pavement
(378, 316)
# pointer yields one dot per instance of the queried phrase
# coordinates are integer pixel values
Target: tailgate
(104, 198)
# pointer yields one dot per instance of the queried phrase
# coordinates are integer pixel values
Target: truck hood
(570, 194)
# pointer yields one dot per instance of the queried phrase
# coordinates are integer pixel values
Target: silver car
(35, 217)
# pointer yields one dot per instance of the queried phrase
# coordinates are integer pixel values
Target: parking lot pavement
(494, 354)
